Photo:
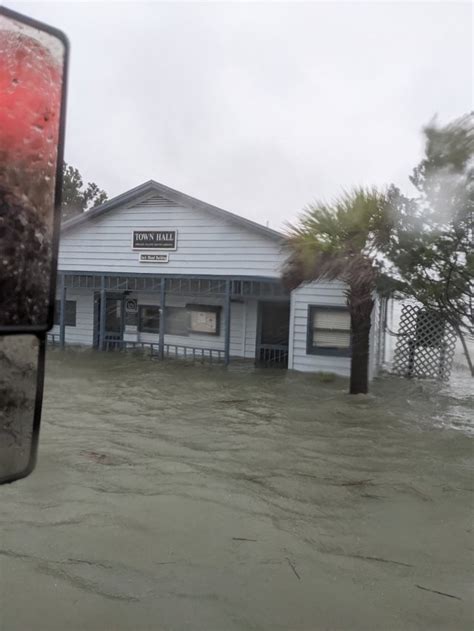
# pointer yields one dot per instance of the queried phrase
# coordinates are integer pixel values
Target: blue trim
(311, 349)
(62, 313)
(102, 314)
(227, 324)
(258, 336)
(70, 312)
(162, 318)
(266, 279)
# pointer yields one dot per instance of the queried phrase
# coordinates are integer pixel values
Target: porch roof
(237, 286)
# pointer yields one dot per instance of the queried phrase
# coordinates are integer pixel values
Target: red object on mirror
(33, 72)
(33, 68)
(30, 101)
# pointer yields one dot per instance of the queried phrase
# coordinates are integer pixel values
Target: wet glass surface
(31, 67)
(18, 377)
(176, 496)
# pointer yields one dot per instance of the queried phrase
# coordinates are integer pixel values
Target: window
(176, 321)
(329, 331)
(69, 314)
(149, 319)
(204, 319)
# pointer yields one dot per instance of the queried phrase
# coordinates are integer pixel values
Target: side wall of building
(328, 294)
(324, 294)
(82, 333)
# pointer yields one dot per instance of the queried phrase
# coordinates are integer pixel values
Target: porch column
(162, 317)
(227, 323)
(102, 314)
(62, 312)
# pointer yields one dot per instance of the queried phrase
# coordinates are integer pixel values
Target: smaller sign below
(153, 258)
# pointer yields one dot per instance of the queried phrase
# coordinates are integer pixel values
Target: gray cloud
(258, 108)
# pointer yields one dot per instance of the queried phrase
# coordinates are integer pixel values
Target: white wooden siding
(251, 328)
(242, 329)
(324, 294)
(316, 293)
(243, 325)
(238, 334)
(193, 339)
(374, 339)
(205, 244)
(82, 333)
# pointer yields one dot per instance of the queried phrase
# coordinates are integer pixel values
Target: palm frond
(338, 240)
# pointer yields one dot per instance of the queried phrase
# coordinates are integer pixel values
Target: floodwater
(178, 497)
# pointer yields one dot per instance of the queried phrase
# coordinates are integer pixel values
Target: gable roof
(172, 195)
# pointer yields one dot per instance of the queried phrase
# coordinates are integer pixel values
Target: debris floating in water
(435, 591)
(293, 568)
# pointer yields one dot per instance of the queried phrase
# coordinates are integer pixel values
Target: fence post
(102, 314)
(62, 313)
(162, 317)
(227, 323)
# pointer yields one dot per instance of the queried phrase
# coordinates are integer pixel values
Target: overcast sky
(258, 108)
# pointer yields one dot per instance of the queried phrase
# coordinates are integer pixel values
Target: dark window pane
(149, 319)
(70, 313)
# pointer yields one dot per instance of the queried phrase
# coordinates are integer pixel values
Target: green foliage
(77, 198)
(431, 250)
(422, 246)
(340, 240)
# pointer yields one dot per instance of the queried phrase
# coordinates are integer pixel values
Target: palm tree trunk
(361, 314)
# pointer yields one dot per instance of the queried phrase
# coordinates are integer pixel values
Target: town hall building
(156, 269)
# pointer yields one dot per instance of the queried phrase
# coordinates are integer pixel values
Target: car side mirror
(33, 70)
(21, 391)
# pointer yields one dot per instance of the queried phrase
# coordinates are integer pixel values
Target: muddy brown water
(170, 496)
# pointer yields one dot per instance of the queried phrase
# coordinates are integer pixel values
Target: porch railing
(194, 353)
(272, 355)
(53, 339)
(170, 351)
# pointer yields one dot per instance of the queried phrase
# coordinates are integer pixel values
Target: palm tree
(342, 240)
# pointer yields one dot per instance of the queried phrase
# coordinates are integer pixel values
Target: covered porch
(232, 305)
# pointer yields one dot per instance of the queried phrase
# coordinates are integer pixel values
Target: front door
(114, 320)
(272, 333)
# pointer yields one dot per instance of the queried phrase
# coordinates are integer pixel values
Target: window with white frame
(329, 331)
